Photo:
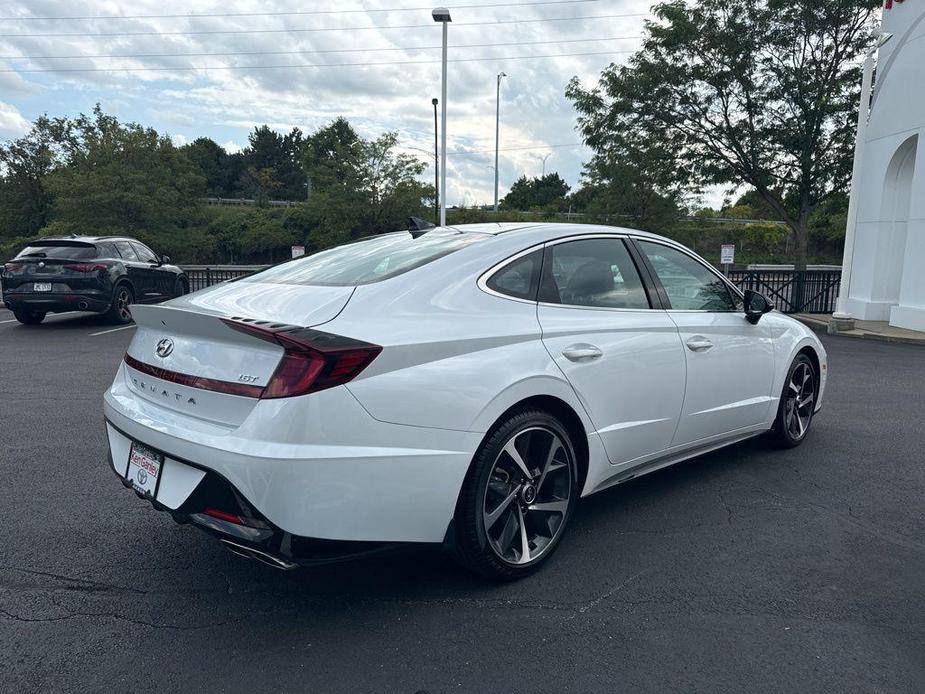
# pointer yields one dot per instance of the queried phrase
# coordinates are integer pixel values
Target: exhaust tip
(258, 555)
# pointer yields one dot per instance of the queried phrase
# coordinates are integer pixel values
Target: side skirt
(648, 466)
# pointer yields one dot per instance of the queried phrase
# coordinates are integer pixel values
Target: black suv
(105, 274)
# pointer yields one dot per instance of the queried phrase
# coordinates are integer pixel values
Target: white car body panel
(383, 457)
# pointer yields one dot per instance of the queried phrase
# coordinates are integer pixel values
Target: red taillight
(12, 267)
(213, 384)
(312, 361)
(86, 267)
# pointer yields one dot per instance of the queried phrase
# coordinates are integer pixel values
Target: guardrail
(202, 276)
(791, 291)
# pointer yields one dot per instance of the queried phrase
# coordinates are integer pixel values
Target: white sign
(727, 254)
(298, 251)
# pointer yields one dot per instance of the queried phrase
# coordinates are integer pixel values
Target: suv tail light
(85, 267)
(312, 360)
(12, 267)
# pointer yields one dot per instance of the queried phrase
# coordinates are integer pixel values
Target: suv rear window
(367, 261)
(75, 251)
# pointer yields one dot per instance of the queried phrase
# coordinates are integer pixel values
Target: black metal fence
(202, 276)
(793, 291)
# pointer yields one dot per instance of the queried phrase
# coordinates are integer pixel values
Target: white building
(888, 266)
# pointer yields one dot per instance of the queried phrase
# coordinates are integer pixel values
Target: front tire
(120, 311)
(797, 402)
(517, 497)
(29, 317)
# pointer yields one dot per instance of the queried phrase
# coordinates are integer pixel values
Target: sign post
(727, 256)
(298, 251)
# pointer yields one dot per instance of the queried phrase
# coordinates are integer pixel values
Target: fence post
(798, 292)
(208, 277)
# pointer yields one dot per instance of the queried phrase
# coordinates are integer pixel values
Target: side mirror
(165, 259)
(756, 305)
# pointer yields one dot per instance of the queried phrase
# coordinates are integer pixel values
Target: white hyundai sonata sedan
(462, 386)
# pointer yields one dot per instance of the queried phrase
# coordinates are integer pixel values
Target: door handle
(699, 344)
(582, 352)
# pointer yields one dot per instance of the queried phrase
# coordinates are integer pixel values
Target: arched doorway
(894, 219)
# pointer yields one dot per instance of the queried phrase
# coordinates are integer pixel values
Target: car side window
(519, 278)
(125, 250)
(107, 250)
(592, 272)
(145, 254)
(690, 285)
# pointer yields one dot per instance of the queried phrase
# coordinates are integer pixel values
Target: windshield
(64, 252)
(369, 260)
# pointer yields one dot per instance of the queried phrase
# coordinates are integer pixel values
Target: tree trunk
(800, 228)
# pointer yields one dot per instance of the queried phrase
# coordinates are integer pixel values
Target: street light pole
(442, 15)
(436, 168)
(841, 318)
(497, 131)
(544, 163)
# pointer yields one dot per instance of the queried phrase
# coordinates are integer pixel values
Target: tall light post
(436, 168)
(442, 15)
(497, 131)
(544, 163)
(841, 318)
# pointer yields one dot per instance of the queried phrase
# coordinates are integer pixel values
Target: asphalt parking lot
(750, 569)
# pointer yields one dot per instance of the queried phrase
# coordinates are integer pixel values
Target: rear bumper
(51, 302)
(257, 538)
(314, 467)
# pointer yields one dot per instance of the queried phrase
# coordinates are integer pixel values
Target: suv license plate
(144, 468)
(42, 286)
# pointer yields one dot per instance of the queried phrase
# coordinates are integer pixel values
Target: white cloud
(220, 103)
(232, 147)
(179, 140)
(12, 124)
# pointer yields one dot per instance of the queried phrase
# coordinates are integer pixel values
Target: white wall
(888, 268)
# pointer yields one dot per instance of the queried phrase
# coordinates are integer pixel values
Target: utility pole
(497, 131)
(434, 101)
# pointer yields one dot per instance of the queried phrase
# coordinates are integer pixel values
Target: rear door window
(62, 252)
(369, 260)
(597, 273)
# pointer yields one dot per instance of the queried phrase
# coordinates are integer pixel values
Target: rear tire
(120, 311)
(30, 317)
(797, 402)
(517, 497)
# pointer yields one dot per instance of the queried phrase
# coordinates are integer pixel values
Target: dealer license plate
(144, 468)
(42, 286)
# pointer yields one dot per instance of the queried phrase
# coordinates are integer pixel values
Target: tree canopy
(757, 92)
(538, 192)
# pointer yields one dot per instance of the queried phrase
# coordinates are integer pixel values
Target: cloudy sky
(60, 61)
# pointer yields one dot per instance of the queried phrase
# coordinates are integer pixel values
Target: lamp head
(441, 14)
(434, 101)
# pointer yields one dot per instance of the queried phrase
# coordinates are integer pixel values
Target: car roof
(81, 239)
(549, 230)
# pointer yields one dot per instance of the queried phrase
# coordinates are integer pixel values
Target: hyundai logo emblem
(164, 348)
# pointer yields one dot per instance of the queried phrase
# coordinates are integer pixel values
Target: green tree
(530, 193)
(760, 92)
(273, 164)
(213, 162)
(120, 178)
(359, 186)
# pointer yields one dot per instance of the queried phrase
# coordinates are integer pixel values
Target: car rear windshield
(366, 261)
(83, 251)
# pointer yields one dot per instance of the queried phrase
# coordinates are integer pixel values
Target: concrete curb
(822, 326)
